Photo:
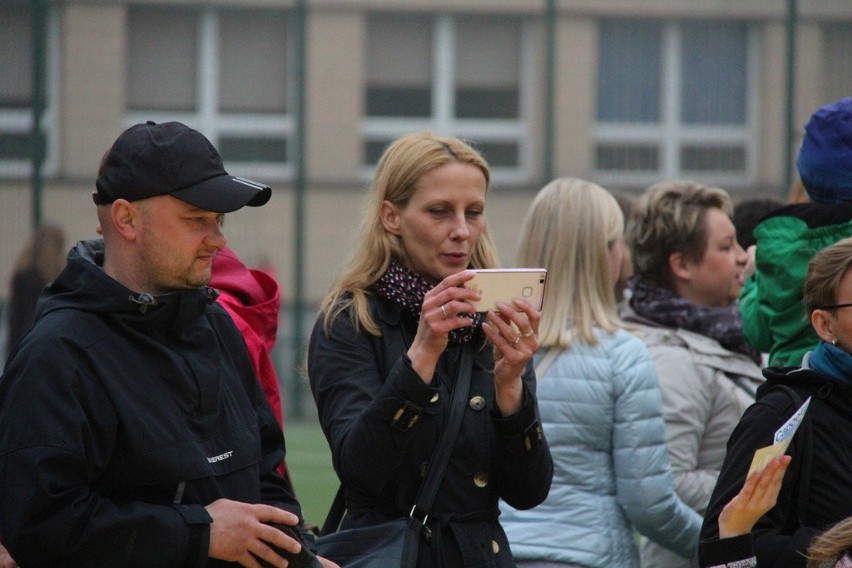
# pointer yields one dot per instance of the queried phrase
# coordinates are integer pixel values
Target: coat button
(423, 467)
(495, 547)
(481, 479)
(477, 403)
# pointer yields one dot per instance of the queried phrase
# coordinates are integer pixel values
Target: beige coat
(705, 390)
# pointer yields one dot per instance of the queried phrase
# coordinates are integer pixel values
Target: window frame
(671, 135)
(20, 120)
(216, 124)
(442, 121)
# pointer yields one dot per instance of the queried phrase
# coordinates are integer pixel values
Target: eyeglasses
(835, 307)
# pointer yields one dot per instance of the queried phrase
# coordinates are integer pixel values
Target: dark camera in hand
(304, 559)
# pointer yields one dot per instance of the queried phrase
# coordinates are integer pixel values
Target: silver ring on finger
(528, 333)
(444, 311)
(518, 338)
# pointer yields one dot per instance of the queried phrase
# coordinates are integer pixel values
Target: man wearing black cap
(132, 429)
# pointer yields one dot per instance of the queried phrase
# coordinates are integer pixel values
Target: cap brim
(225, 193)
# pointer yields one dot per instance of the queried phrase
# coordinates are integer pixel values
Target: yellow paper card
(783, 436)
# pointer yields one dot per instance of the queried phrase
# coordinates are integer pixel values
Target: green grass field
(309, 463)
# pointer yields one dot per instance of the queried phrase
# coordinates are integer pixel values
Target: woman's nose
(460, 229)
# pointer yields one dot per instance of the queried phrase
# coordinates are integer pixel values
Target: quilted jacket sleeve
(698, 422)
(644, 479)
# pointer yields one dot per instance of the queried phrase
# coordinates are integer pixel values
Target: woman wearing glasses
(818, 490)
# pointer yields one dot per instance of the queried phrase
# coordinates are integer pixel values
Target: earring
(834, 342)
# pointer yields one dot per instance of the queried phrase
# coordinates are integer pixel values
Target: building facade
(622, 92)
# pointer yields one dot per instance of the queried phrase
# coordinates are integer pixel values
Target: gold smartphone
(503, 284)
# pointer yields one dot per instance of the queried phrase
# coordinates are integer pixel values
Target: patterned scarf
(406, 290)
(663, 306)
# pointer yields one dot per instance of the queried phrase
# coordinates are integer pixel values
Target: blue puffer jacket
(602, 414)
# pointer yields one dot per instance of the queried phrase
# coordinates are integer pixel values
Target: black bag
(395, 544)
(377, 546)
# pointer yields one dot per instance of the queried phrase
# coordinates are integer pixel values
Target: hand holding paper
(783, 437)
(757, 496)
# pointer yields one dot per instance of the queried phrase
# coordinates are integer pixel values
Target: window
(669, 107)
(221, 71)
(16, 77)
(838, 65)
(455, 75)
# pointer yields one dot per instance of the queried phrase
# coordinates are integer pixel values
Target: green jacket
(774, 319)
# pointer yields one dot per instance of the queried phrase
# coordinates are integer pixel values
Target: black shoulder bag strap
(419, 513)
(438, 465)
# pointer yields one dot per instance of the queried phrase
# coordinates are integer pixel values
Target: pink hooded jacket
(252, 298)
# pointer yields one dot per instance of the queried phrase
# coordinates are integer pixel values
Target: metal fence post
(38, 19)
(299, 30)
(790, 103)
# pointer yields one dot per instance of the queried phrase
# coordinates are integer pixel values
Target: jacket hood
(250, 294)
(249, 286)
(704, 350)
(83, 285)
(835, 392)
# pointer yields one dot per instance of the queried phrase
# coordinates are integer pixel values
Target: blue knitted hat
(825, 158)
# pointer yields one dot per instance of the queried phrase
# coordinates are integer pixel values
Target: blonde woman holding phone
(391, 346)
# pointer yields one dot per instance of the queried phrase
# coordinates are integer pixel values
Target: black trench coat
(383, 423)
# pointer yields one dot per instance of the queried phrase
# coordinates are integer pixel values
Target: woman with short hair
(689, 269)
(817, 492)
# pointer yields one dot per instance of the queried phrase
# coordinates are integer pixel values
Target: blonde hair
(396, 179)
(569, 229)
(669, 217)
(828, 547)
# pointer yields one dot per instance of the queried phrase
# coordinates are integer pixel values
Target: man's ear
(680, 266)
(390, 217)
(124, 217)
(823, 323)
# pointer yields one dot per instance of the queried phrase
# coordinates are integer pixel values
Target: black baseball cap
(171, 158)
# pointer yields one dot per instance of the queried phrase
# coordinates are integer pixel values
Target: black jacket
(121, 416)
(815, 493)
(383, 423)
